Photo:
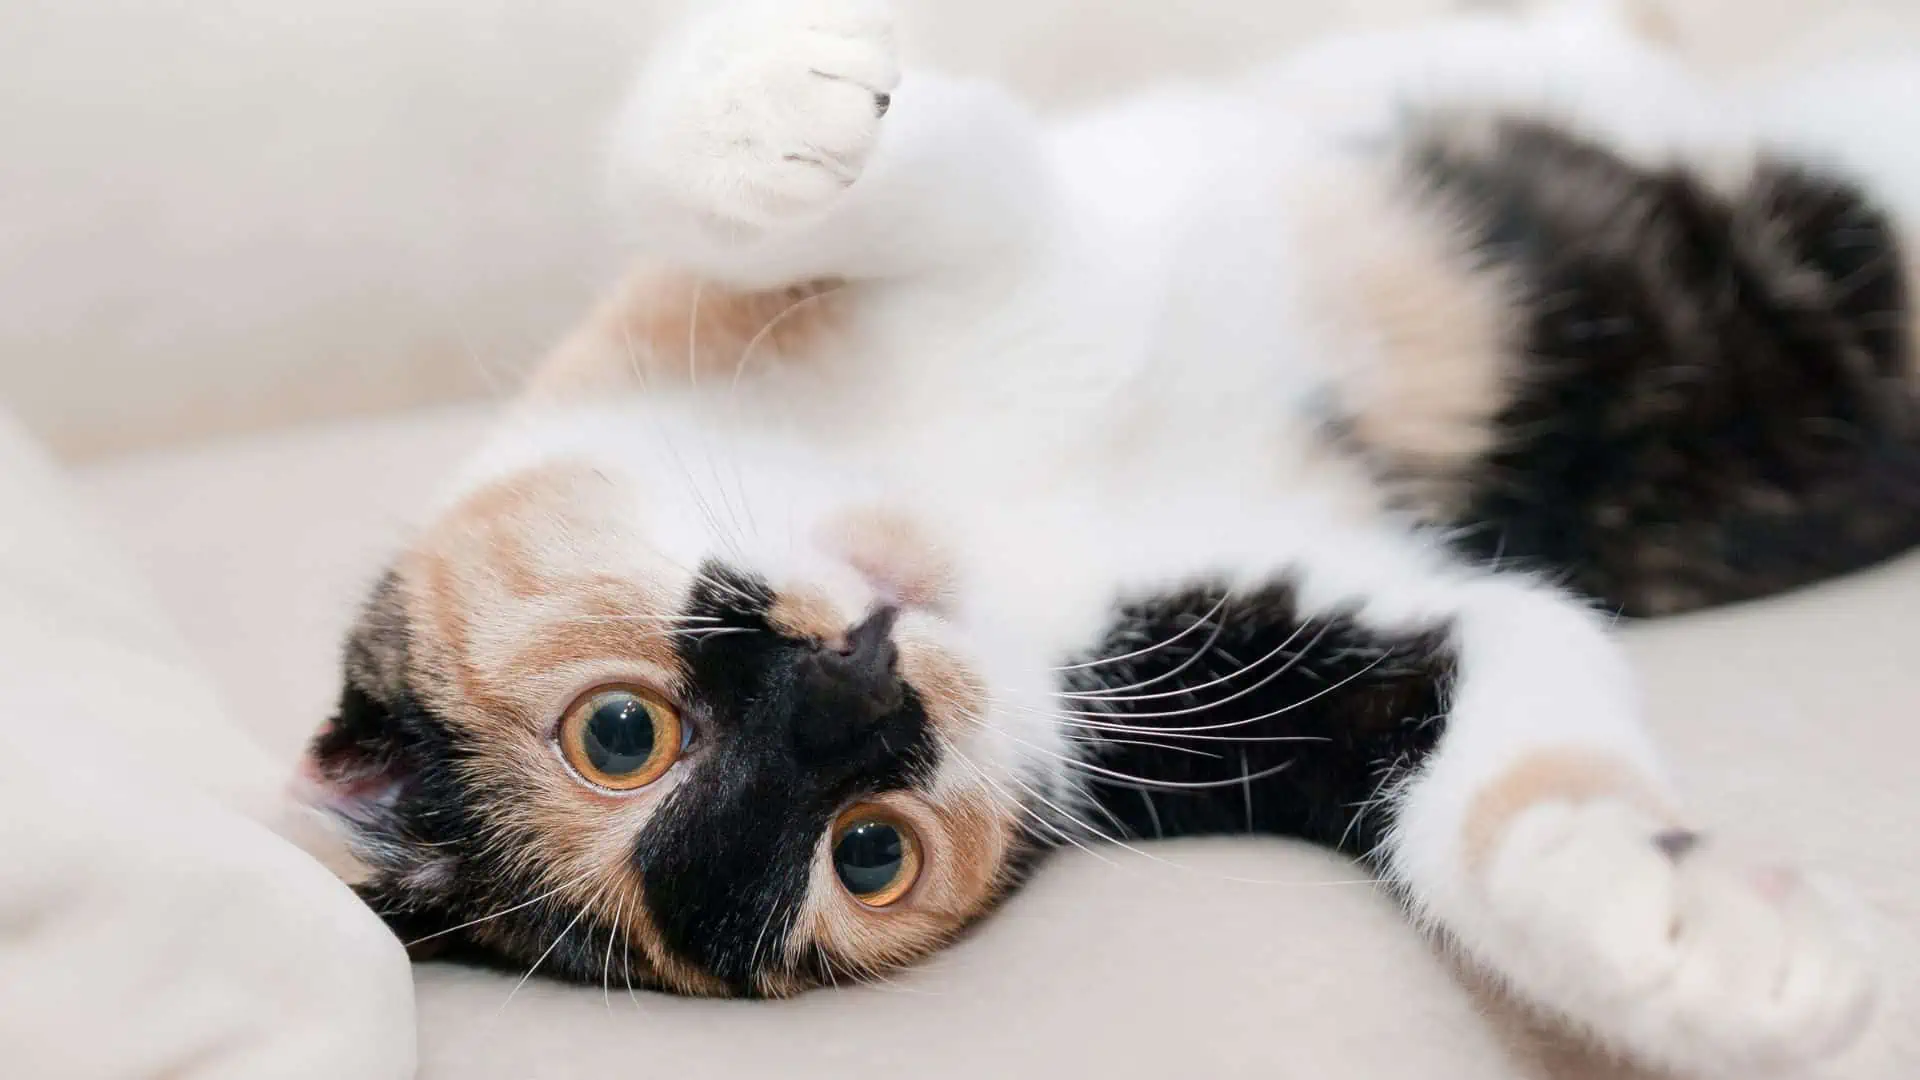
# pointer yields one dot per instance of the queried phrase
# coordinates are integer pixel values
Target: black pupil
(868, 857)
(619, 735)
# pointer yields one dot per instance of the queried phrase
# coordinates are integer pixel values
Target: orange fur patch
(1653, 22)
(952, 693)
(807, 614)
(521, 596)
(667, 326)
(1394, 280)
(1552, 776)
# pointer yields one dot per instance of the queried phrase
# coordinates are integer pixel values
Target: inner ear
(359, 764)
(366, 765)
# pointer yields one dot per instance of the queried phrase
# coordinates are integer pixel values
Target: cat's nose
(869, 655)
(848, 689)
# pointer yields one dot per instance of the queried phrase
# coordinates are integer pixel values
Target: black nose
(869, 653)
(846, 691)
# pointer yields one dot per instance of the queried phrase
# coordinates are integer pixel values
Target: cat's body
(1193, 466)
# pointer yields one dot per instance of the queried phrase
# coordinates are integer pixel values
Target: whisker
(1076, 763)
(1067, 721)
(1237, 694)
(1373, 880)
(626, 961)
(645, 618)
(725, 631)
(1151, 648)
(1282, 711)
(693, 335)
(568, 929)
(1098, 740)
(826, 964)
(508, 911)
(753, 957)
(1205, 649)
(606, 967)
(633, 356)
(746, 354)
(1117, 842)
(1147, 783)
(1020, 804)
(1103, 696)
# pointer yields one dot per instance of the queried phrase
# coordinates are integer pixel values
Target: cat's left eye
(876, 854)
(622, 738)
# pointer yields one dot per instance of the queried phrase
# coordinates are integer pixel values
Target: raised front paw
(764, 112)
(1672, 948)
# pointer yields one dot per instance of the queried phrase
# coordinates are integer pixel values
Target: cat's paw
(1680, 952)
(765, 111)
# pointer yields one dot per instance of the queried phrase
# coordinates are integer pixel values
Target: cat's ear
(369, 767)
(362, 759)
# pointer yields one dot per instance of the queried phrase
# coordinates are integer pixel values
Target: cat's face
(595, 719)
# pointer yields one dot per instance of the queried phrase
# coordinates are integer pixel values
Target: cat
(1269, 455)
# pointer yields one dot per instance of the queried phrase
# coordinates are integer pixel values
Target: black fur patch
(1251, 719)
(727, 859)
(1712, 398)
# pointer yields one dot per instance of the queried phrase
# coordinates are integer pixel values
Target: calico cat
(1268, 456)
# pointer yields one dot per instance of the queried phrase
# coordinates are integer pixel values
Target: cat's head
(710, 726)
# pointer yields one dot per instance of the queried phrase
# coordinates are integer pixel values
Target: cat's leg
(1541, 837)
(771, 142)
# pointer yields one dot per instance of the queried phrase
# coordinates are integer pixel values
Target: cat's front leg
(1541, 838)
(771, 142)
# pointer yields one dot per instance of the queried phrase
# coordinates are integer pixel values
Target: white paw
(1671, 948)
(765, 111)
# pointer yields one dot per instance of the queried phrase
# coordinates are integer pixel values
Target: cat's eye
(876, 854)
(622, 738)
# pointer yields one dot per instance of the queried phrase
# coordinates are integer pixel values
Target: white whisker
(508, 911)
(1199, 654)
(606, 967)
(693, 335)
(1109, 696)
(568, 929)
(644, 618)
(1151, 648)
(746, 354)
(1236, 695)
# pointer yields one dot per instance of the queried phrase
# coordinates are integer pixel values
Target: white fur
(1076, 353)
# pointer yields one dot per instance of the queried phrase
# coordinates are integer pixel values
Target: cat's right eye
(621, 738)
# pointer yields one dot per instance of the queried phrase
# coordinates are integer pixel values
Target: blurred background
(220, 216)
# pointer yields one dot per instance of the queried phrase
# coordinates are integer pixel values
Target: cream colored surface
(232, 216)
(149, 925)
(1792, 724)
